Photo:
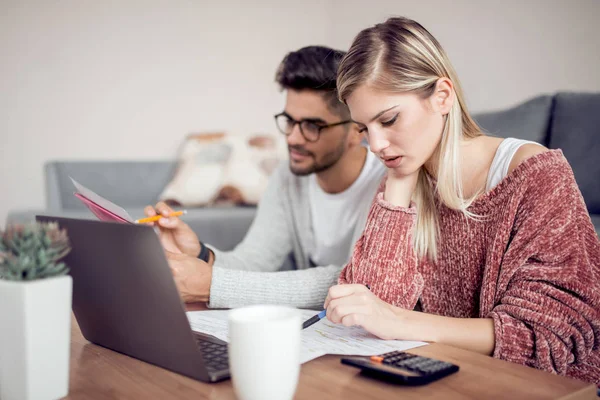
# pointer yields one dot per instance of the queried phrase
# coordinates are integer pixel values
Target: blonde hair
(400, 56)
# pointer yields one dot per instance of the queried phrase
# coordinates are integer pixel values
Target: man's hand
(175, 235)
(356, 305)
(192, 277)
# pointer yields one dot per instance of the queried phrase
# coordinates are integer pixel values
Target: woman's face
(403, 130)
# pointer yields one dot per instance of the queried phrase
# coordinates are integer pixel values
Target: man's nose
(295, 137)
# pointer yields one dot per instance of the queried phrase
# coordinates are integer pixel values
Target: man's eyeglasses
(310, 129)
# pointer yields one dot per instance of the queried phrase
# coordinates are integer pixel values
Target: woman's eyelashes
(390, 122)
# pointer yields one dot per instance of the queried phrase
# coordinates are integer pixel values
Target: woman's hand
(399, 188)
(356, 305)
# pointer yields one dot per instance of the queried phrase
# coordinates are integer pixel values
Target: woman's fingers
(339, 291)
(341, 307)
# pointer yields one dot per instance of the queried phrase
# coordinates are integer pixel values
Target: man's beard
(328, 161)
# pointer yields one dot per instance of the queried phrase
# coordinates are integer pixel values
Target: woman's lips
(393, 162)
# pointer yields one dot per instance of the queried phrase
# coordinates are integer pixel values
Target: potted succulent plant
(35, 312)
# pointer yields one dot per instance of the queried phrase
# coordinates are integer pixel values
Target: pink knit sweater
(532, 266)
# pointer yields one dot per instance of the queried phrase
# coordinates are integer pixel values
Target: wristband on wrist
(204, 253)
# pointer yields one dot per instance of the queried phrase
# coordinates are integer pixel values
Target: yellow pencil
(157, 217)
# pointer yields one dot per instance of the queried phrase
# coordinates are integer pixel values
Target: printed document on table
(319, 339)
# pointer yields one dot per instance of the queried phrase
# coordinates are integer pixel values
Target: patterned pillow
(217, 168)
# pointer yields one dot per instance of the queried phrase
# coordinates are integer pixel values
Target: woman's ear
(443, 96)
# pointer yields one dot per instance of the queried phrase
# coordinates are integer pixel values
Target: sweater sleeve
(546, 312)
(268, 240)
(305, 288)
(385, 253)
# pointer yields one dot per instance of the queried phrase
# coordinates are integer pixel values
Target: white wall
(503, 51)
(128, 79)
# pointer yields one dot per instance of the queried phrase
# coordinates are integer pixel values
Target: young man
(315, 208)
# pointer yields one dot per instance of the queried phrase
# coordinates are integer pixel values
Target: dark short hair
(314, 68)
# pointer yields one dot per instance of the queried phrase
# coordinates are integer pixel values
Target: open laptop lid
(124, 296)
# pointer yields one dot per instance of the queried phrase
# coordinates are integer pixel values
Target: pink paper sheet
(102, 213)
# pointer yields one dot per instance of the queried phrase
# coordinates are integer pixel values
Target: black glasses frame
(294, 122)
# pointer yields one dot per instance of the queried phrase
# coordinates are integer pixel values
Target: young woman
(489, 238)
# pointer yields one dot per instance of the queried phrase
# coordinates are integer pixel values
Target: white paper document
(319, 339)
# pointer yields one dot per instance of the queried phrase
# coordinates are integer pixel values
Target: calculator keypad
(403, 368)
(414, 363)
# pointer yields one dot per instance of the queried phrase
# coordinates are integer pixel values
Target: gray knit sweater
(250, 274)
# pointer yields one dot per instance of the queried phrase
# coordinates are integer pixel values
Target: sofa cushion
(126, 183)
(596, 222)
(221, 168)
(529, 120)
(575, 129)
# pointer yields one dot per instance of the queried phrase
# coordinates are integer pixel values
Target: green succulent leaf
(33, 251)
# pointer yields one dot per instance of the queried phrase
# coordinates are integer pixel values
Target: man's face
(313, 157)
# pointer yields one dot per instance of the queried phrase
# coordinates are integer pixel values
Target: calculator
(403, 368)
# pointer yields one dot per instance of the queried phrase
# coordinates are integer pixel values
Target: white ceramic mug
(264, 352)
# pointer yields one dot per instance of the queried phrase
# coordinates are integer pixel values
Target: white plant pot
(35, 333)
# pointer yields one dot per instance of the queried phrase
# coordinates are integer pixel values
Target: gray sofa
(570, 121)
(566, 121)
(133, 185)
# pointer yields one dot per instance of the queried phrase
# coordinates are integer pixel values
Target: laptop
(125, 299)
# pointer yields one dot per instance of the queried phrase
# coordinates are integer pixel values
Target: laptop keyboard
(215, 355)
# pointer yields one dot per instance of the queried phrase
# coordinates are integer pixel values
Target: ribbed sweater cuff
(389, 231)
(223, 287)
(379, 200)
(512, 342)
(231, 288)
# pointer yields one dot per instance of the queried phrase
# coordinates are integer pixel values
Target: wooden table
(99, 373)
